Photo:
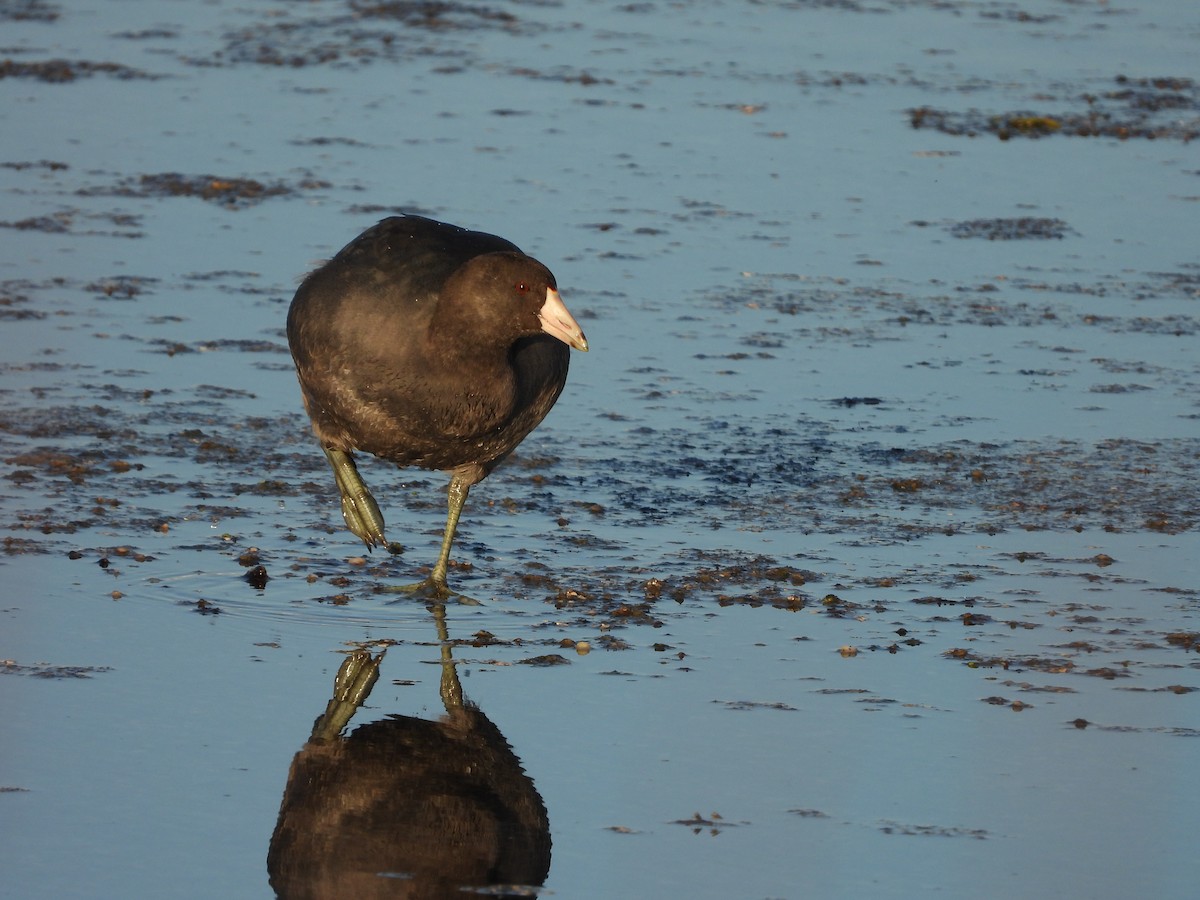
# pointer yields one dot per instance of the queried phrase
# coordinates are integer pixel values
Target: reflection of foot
(356, 676)
(351, 687)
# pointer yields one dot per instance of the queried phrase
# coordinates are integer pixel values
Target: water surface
(874, 502)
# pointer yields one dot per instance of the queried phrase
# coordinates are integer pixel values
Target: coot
(427, 345)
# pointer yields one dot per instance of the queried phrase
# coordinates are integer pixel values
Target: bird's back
(414, 254)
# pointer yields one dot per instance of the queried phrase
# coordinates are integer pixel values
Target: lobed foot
(431, 589)
(359, 509)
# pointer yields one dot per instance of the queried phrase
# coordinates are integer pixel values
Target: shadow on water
(407, 807)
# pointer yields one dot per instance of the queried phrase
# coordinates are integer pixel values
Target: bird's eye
(522, 287)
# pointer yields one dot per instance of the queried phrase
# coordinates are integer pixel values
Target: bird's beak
(558, 322)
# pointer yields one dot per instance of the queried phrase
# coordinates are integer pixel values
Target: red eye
(522, 287)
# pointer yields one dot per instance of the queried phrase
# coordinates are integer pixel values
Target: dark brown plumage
(427, 345)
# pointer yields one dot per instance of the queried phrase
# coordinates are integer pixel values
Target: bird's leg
(456, 496)
(435, 586)
(359, 508)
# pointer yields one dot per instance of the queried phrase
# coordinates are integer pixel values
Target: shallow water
(875, 500)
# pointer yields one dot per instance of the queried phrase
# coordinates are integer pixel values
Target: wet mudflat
(858, 557)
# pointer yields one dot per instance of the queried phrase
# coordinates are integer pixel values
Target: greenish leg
(456, 497)
(435, 586)
(359, 508)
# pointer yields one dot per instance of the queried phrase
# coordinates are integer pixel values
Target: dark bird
(427, 345)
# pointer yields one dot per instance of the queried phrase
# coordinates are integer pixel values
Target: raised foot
(359, 509)
(363, 519)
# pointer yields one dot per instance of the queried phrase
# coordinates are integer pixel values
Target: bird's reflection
(406, 807)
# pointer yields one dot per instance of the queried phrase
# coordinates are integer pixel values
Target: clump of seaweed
(1146, 108)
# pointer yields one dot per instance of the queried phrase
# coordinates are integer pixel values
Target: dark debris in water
(745, 705)
(874, 490)
(1018, 229)
(1186, 640)
(979, 834)
(257, 577)
(41, 165)
(80, 222)
(121, 287)
(50, 670)
(714, 823)
(546, 660)
(232, 192)
(1055, 665)
(832, 309)
(239, 345)
(28, 11)
(436, 15)
(366, 31)
(62, 71)
(1178, 731)
(203, 607)
(1166, 689)
(630, 598)
(1014, 705)
(1163, 108)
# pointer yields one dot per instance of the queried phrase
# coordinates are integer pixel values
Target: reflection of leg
(359, 508)
(451, 688)
(351, 687)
